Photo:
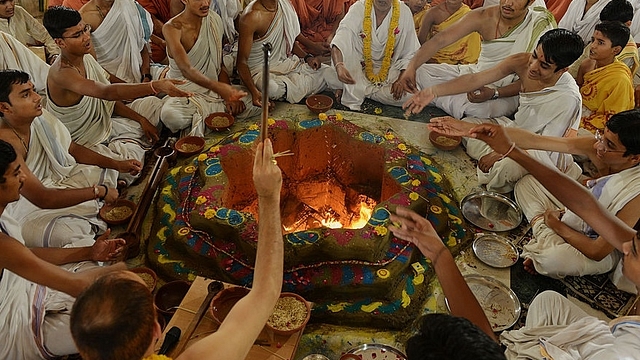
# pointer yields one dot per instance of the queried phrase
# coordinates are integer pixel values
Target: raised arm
(570, 193)
(465, 83)
(243, 324)
(419, 231)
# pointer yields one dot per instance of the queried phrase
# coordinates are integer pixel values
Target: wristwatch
(307, 57)
(496, 94)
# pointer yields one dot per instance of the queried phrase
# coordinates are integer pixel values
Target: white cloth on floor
(348, 39)
(120, 38)
(523, 38)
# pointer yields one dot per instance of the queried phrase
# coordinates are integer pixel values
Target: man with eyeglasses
(88, 100)
(563, 244)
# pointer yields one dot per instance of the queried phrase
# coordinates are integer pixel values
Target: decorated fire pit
(339, 187)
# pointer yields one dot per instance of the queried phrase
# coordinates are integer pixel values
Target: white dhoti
(348, 39)
(184, 113)
(91, 124)
(550, 253)
(35, 318)
(561, 330)
(522, 38)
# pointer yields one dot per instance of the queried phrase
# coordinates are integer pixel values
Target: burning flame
(356, 222)
(329, 218)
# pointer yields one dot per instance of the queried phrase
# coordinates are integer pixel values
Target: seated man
(380, 35)
(616, 10)
(318, 23)
(15, 20)
(50, 159)
(82, 97)
(120, 32)
(605, 82)
(556, 328)
(465, 50)
(14, 55)
(292, 74)
(505, 30)
(197, 58)
(549, 104)
(582, 16)
(566, 245)
(37, 295)
(119, 297)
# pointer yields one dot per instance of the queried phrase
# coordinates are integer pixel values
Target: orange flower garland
(367, 27)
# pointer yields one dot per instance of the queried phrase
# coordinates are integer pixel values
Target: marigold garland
(367, 27)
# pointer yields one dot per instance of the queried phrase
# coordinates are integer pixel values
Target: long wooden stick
(266, 48)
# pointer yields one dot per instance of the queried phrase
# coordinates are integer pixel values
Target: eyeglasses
(602, 141)
(86, 30)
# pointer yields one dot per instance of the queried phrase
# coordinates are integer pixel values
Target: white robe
(522, 38)
(289, 78)
(120, 38)
(24, 307)
(577, 21)
(91, 124)
(551, 111)
(551, 254)
(566, 332)
(348, 39)
(14, 55)
(183, 113)
(49, 160)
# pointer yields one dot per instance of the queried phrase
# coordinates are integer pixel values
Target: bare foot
(338, 96)
(528, 266)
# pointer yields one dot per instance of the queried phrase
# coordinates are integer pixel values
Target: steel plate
(491, 211)
(377, 352)
(495, 250)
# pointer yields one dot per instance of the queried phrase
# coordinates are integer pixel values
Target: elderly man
(379, 34)
(15, 20)
(511, 28)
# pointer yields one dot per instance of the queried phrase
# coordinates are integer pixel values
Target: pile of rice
(288, 314)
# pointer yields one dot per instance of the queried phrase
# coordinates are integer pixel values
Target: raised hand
(418, 101)
(417, 230)
(105, 249)
(494, 135)
(267, 176)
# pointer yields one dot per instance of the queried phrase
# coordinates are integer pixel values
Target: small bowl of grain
(290, 315)
(147, 275)
(219, 121)
(444, 142)
(189, 145)
(118, 213)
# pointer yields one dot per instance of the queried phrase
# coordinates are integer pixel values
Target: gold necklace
(70, 64)
(269, 10)
(100, 12)
(24, 143)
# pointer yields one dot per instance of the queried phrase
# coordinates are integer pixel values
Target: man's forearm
(61, 256)
(269, 265)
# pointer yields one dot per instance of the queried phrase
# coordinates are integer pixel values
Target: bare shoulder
(250, 14)
(485, 20)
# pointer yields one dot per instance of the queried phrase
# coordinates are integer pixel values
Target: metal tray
(495, 250)
(377, 352)
(500, 304)
(491, 211)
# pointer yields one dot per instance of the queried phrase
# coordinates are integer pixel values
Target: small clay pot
(170, 295)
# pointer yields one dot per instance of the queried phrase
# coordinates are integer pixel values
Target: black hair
(7, 156)
(443, 336)
(617, 10)
(615, 31)
(561, 47)
(59, 18)
(8, 78)
(626, 125)
(113, 318)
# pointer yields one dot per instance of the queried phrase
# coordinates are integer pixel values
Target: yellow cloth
(606, 91)
(156, 357)
(417, 17)
(463, 51)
